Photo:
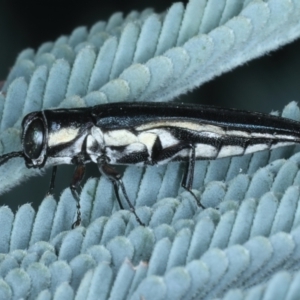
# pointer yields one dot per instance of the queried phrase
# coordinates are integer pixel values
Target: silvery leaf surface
(244, 242)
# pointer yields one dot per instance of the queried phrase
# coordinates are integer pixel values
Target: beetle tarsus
(78, 213)
(78, 217)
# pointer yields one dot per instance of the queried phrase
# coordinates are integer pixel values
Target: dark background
(264, 84)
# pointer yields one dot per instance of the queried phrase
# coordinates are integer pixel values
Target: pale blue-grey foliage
(244, 245)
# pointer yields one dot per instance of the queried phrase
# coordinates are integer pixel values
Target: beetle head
(34, 140)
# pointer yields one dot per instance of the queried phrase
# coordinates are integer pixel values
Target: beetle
(144, 133)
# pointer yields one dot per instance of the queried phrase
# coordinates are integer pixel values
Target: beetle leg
(188, 177)
(115, 177)
(77, 178)
(52, 181)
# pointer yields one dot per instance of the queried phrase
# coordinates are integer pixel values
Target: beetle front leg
(115, 177)
(52, 181)
(77, 178)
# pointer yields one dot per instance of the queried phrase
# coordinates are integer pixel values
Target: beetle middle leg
(115, 177)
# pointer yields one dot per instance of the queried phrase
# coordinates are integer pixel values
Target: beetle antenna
(4, 158)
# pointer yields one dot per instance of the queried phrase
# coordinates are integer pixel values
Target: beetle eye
(33, 139)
